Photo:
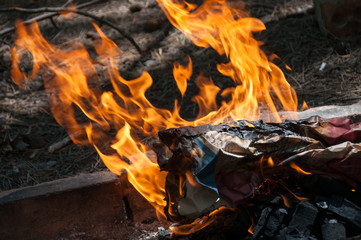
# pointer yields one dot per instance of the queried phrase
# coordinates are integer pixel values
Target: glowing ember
(260, 85)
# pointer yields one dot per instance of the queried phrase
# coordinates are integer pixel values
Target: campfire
(245, 165)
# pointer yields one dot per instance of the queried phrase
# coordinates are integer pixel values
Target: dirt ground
(27, 129)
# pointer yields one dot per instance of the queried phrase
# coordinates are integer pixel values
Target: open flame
(229, 31)
(117, 121)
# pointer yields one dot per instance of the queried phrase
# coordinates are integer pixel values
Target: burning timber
(294, 180)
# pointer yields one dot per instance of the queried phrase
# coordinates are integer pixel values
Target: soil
(27, 128)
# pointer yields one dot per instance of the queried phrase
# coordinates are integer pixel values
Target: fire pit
(244, 167)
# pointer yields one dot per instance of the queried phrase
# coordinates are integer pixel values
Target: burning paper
(232, 160)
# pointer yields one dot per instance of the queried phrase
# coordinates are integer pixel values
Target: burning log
(243, 163)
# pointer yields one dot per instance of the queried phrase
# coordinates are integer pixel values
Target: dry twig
(48, 15)
(63, 142)
(59, 145)
(58, 10)
(280, 12)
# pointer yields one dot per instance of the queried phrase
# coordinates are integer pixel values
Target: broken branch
(57, 10)
(48, 15)
(59, 145)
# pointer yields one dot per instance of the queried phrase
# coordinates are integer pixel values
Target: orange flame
(182, 75)
(270, 162)
(68, 14)
(286, 202)
(229, 32)
(74, 85)
(206, 99)
(304, 106)
(192, 179)
(199, 223)
(250, 229)
(293, 194)
(298, 169)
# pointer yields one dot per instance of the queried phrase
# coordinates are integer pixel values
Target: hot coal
(303, 219)
(343, 208)
(274, 222)
(261, 223)
(311, 219)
